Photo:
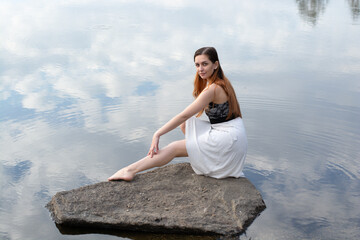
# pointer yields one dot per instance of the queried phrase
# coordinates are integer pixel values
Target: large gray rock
(170, 199)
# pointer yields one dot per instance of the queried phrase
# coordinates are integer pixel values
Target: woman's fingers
(152, 151)
(157, 147)
(154, 147)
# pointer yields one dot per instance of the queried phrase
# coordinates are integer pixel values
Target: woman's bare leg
(164, 156)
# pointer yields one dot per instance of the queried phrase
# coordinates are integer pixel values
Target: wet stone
(171, 199)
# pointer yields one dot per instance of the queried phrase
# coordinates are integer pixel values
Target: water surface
(84, 84)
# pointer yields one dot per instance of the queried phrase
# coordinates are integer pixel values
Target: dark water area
(84, 84)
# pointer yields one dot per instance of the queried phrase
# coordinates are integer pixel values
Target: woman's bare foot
(122, 174)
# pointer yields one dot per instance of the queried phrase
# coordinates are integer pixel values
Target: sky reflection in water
(84, 84)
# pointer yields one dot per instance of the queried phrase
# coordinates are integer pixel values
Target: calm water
(84, 84)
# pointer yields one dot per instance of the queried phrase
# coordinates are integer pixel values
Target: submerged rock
(171, 199)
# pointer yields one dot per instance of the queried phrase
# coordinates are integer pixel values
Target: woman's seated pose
(216, 148)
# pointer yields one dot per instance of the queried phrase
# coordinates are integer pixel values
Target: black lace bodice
(217, 113)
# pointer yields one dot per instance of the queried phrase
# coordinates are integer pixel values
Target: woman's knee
(178, 148)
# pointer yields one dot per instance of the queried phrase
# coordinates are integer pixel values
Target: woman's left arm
(203, 100)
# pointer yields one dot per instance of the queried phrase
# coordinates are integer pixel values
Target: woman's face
(204, 66)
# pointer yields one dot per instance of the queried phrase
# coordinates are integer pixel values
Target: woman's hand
(154, 148)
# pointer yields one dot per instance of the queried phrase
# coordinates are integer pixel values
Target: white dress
(216, 150)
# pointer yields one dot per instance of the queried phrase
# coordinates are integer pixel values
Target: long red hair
(219, 79)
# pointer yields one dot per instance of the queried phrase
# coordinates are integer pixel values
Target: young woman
(216, 148)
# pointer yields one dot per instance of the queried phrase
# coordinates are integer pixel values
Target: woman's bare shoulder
(212, 87)
(220, 94)
(217, 93)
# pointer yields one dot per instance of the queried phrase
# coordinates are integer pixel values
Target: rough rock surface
(170, 199)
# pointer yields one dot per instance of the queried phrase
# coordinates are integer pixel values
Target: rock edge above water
(171, 199)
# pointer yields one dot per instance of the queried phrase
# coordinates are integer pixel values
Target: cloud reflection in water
(85, 84)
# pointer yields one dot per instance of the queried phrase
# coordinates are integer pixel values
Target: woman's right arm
(203, 100)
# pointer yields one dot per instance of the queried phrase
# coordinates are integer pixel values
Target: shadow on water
(310, 10)
(355, 8)
(67, 230)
